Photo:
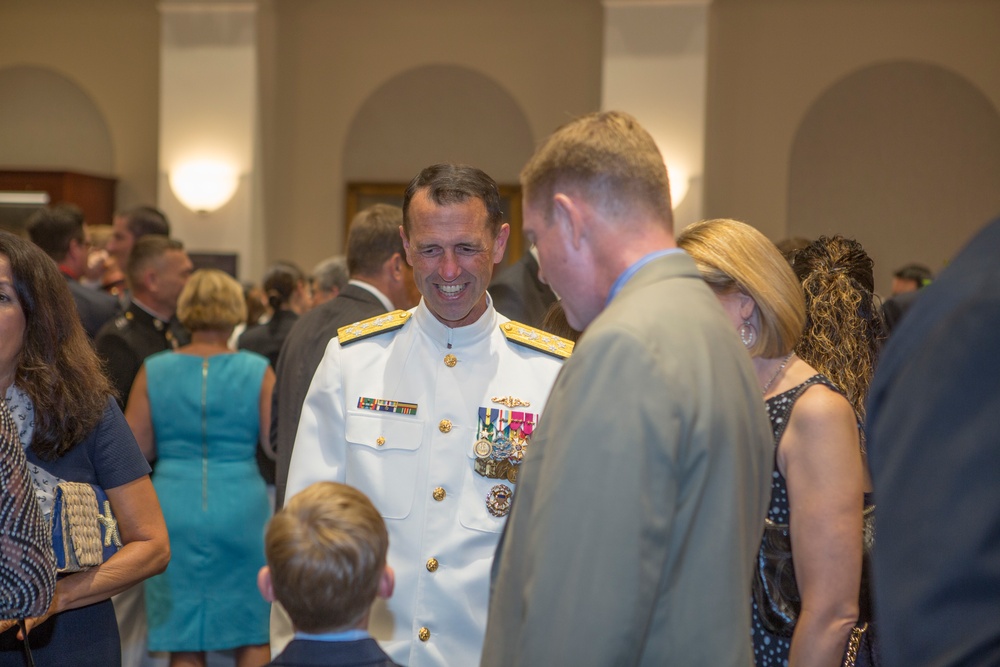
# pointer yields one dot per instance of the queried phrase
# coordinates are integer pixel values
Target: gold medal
(483, 448)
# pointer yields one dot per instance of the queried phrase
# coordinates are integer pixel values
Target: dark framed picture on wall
(227, 262)
(363, 195)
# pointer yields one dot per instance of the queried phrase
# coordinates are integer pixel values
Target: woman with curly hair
(843, 326)
(805, 598)
(72, 430)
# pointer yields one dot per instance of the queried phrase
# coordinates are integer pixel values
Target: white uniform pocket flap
(383, 432)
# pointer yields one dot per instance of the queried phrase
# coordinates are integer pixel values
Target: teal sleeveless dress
(206, 422)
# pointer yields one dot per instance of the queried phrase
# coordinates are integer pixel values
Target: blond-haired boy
(326, 564)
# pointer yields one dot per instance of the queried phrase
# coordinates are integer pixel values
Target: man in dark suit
(381, 281)
(157, 271)
(907, 285)
(520, 294)
(60, 231)
(131, 225)
(934, 452)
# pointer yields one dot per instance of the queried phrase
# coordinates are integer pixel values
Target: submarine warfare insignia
(511, 402)
(502, 442)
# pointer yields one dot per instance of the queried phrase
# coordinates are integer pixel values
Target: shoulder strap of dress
(796, 392)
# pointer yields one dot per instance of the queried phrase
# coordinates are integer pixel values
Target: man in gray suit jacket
(381, 281)
(640, 506)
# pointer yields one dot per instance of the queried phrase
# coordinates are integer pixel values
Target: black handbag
(776, 593)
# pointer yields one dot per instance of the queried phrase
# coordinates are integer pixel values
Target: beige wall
(320, 61)
(110, 49)
(770, 60)
(330, 57)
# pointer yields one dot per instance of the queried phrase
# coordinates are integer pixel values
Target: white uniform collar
(446, 336)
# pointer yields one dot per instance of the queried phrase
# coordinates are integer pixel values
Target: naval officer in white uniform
(430, 412)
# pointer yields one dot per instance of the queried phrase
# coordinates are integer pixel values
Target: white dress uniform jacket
(418, 469)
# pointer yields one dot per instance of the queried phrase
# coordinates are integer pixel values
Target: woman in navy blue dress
(72, 430)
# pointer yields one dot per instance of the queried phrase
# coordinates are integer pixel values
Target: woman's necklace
(777, 372)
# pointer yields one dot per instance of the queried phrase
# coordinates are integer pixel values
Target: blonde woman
(817, 492)
(199, 412)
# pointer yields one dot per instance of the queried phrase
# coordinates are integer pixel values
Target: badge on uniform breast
(502, 442)
(386, 405)
(498, 500)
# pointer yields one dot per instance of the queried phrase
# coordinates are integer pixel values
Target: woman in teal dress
(199, 412)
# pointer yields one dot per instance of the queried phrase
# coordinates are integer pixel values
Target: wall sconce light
(679, 183)
(204, 185)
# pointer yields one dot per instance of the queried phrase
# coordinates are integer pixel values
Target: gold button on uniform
(450, 360)
(445, 426)
(380, 441)
(424, 634)
(432, 564)
(439, 494)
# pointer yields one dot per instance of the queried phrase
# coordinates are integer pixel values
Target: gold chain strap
(853, 645)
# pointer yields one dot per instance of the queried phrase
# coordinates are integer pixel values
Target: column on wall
(655, 57)
(208, 166)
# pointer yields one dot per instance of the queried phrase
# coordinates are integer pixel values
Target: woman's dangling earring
(748, 334)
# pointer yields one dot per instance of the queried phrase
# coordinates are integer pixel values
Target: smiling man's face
(452, 252)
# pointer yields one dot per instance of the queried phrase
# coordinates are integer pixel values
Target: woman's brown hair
(58, 367)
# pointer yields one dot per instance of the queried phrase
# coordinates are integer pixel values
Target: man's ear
(406, 245)
(264, 584)
(150, 279)
(567, 211)
(398, 264)
(386, 583)
(500, 243)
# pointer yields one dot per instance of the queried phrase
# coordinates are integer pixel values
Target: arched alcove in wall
(48, 122)
(437, 113)
(904, 156)
(431, 114)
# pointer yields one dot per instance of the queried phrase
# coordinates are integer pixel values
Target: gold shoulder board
(537, 339)
(372, 326)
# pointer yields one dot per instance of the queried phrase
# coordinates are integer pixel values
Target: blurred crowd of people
(626, 447)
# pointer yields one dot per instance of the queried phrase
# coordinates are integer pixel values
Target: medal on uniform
(498, 500)
(502, 442)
